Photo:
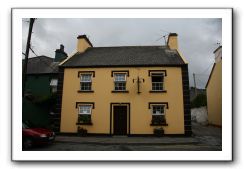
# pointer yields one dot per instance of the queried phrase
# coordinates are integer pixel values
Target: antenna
(164, 36)
(218, 43)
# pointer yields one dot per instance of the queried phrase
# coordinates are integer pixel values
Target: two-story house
(125, 90)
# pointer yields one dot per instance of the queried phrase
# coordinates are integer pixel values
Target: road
(208, 139)
(90, 147)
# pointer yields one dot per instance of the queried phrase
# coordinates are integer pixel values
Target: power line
(40, 59)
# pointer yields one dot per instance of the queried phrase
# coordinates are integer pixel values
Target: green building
(39, 102)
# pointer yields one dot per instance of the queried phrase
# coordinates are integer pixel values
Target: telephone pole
(195, 87)
(26, 56)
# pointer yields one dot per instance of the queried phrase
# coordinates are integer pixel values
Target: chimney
(60, 55)
(218, 54)
(83, 43)
(62, 47)
(173, 41)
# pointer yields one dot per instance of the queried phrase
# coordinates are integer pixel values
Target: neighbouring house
(214, 90)
(41, 87)
(195, 92)
(125, 90)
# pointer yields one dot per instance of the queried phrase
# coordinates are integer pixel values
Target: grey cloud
(197, 37)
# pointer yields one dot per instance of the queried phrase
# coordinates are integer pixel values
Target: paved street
(205, 138)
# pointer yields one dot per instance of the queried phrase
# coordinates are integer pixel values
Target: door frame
(112, 114)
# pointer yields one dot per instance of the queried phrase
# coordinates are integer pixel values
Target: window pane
(84, 118)
(158, 78)
(158, 110)
(86, 78)
(119, 77)
(85, 109)
(85, 86)
(157, 86)
(120, 86)
(54, 82)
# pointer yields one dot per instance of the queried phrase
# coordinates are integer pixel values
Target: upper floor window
(85, 82)
(54, 84)
(120, 81)
(157, 81)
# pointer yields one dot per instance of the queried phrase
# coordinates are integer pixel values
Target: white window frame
(115, 74)
(120, 81)
(158, 114)
(54, 85)
(54, 82)
(86, 81)
(161, 75)
(86, 75)
(79, 109)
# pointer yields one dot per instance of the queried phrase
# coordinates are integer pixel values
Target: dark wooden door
(120, 120)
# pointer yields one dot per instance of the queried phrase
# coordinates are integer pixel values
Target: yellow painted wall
(214, 96)
(103, 84)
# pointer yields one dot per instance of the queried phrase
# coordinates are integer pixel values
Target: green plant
(158, 119)
(84, 118)
(159, 132)
(81, 131)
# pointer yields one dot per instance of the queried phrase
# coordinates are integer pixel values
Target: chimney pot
(62, 47)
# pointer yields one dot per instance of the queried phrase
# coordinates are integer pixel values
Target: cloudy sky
(197, 37)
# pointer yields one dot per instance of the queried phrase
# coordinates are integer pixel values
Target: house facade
(126, 90)
(214, 90)
(41, 86)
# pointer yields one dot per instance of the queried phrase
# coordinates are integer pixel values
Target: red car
(36, 136)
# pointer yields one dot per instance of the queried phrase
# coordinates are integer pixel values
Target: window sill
(85, 91)
(118, 91)
(163, 124)
(158, 91)
(87, 123)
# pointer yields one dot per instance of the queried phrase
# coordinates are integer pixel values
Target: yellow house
(125, 90)
(214, 90)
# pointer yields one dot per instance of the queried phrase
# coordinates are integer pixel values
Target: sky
(197, 38)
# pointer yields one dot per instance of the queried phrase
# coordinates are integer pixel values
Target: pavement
(201, 135)
(204, 138)
(115, 140)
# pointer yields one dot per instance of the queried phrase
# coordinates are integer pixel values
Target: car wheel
(28, 143)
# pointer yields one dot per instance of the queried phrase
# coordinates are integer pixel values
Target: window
(119, 81)
(157, 82)
(54, 84)
(84, 114)
(85, 82)
(158, 114)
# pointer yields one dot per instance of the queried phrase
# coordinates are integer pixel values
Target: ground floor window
(54, 85)
(84, 114)
(158, 114)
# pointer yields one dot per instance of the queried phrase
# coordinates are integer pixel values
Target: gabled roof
(210, 75)
(41, 65)
(122, 56)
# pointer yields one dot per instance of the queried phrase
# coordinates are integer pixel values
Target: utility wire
(41, 60)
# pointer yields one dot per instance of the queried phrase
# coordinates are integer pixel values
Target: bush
(81, 131)
(199, 101)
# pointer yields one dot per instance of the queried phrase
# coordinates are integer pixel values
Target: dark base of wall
(129, 135)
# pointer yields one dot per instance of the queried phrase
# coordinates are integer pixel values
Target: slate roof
(125, 56)
(41, 65)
